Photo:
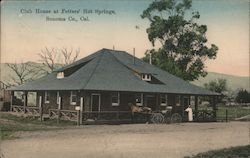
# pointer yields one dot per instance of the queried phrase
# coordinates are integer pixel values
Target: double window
(46, 97)
(60, 75)
(146, 77)
(163, 99)
(115, 98)
(73, 97)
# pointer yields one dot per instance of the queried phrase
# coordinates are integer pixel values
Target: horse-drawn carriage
(157, 117)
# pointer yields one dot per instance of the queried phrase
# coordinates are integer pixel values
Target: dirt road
(128, 141)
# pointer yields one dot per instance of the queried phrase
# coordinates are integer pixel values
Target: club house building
(107, 81)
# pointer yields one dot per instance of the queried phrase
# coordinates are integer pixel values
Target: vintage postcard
(124, 79)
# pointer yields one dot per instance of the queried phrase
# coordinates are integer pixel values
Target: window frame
(71, 97)
(141, 103)
(146, 77)
(166, 99)
(46, 97)
(60, 75)
(178, 100)
(118, 99)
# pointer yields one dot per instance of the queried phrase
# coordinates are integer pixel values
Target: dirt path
(133, 141)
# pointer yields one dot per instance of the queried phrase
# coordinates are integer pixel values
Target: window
(115, 99)
(57, 97)
(73, 97)
(192, 101)
(164, 99)
(60, 75)
(139, 99)
(46, 97)
(178, 100)
(146, 77)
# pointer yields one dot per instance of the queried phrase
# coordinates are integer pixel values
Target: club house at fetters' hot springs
(103, 85)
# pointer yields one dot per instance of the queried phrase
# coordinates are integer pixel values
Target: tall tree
(182, 42)
(243, 96)
(219, 85)
(22, 72)
(50, 58)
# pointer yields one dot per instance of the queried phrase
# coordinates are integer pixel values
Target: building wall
(106, 105)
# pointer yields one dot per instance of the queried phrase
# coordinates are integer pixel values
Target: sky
(24, 32)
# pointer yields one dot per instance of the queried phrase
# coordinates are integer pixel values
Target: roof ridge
(129, 68)
(97, 64)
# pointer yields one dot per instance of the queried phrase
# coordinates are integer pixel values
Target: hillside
(234, 82)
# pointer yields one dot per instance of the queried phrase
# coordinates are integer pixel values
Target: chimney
(134, 56)
(113, 47)
(150, 58)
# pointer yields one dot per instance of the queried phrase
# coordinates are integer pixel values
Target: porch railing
(17, 108)
(98, 116)
(205, 115)
(32, 110)
(63, 114)
(29, 110)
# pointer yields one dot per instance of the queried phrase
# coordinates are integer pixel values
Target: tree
(23, 72)
(50, 58)
(219, 85)
(182, 41)
(243, 96)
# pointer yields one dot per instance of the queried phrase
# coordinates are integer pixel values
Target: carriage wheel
(157, 118)
(176, 118)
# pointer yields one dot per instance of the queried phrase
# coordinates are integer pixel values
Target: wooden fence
(28, 110)
(205, 116)
(97, 116)
(70, 115)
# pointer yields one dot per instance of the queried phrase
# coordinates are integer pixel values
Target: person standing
(190, 113)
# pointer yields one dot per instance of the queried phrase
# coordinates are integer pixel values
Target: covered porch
(85, 105)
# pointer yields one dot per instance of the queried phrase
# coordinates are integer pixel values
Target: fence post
(40, 108)
(58, 110)
(25, 101)
(81, 110)
(11, 100)
(78, 117)
(226, 115)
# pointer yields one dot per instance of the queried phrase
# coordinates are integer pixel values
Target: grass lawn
(10, 124)
(234, 152)
(233, 112)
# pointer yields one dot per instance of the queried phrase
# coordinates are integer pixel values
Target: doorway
(95, 102)
(150, 102)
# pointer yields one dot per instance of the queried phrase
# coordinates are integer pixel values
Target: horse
(137, 109)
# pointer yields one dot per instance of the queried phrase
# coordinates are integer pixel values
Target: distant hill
(234, 82)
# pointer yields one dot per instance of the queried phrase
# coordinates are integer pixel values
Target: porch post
(40, 108)
(81, 110)
(196, 107)
(58, 110)
(25, 101)
(182, 105)
(11, 100)
(214, 106)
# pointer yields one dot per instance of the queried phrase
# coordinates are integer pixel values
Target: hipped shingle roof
(111, 70)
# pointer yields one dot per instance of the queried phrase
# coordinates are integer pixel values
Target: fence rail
(32, 111)
(205, 115)
(111, 116)
(98, 116)
(70, 115)
(17, 108)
